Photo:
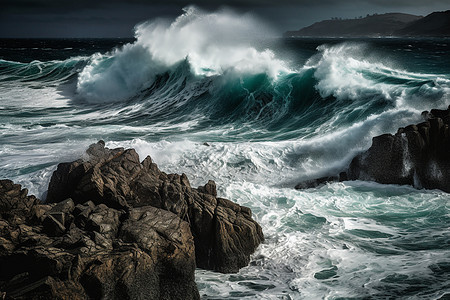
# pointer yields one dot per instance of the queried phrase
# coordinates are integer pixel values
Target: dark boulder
(417, 155)
(15, 204)
(117, 179)
(236, 235)
(385, 162)
(115, 228)
(141, 253)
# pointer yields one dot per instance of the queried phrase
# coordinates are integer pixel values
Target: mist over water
(272, 112)
(211, 43)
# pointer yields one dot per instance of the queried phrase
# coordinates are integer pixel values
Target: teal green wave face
(326, 105)
(257, 133)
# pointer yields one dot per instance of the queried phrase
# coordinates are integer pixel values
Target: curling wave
(219, 105)
(167, 83)
(212, 43)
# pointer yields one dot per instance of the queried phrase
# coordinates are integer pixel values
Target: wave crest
(355, 71)
(213, 44)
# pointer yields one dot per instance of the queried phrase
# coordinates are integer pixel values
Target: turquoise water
(272, 112)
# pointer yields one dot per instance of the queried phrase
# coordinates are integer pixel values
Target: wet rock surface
(116, 228)
(417, 155)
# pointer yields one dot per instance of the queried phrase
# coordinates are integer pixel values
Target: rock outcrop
(417, 155)
(116, 228)
(88, 251)
(313, 183)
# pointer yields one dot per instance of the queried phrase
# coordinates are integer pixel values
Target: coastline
(113, 227)
(257, 136)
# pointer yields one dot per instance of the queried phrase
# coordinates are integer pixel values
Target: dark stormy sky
(115, 18)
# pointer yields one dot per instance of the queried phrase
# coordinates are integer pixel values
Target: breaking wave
(211, 43)
(208, 96)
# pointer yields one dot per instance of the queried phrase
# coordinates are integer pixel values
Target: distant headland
(436, 24)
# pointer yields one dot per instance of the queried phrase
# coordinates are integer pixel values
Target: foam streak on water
(344, 240)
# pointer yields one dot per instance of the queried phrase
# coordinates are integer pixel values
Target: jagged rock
(112, 254)
(164, 235)
(52, 226)
(236, 236)
(131, 273)
(45, 288)
(66, 207)
(67, 177)
(117, 178)
(418, 155)
(390, 167)
(313, 183)
(15, 204)
(115, 228)
(209, 188)
(104, 220)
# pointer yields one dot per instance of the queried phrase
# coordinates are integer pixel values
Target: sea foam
(352, 70)
(212, 43)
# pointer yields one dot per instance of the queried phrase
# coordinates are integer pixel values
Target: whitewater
(210, 95)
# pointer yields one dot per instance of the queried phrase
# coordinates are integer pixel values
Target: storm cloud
(117, 18)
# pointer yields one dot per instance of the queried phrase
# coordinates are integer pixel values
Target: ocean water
(211, 95)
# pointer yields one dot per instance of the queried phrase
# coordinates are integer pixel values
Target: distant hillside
(374, 25)
(435, 24)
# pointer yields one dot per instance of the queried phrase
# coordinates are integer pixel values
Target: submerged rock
(313, 183)
(116, 228)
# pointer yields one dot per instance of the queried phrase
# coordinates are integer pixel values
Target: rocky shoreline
(117, 228)
(114, 227)
(417, 155)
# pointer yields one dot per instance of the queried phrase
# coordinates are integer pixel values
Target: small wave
(47, 71)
